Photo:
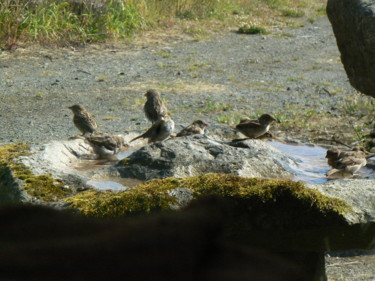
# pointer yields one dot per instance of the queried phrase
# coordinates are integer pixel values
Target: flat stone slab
(198, 155)
(358, 193)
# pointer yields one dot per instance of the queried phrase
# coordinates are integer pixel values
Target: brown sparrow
(154, 106)
(348, 165)
(196, 128)
(334, 155)
(255, 128)
(106, 144)
(159, 131)
(83, 120)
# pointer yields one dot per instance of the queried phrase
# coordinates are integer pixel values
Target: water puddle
(312, 165)
(106, 182)
(114, 183)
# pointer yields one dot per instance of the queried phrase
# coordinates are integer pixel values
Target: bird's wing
(152, 132)
(247, 125)
(190, 130)
(105, 141)
(350, 161)
(160, 107)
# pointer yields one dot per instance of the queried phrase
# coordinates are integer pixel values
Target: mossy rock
(19, 184)
(254, 202)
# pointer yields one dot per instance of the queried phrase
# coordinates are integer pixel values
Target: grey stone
(358, 193)
(198, 154)
(353, 23)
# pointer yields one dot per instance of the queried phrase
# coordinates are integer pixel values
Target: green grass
(292, 13)
(252, 30)
(68, 23)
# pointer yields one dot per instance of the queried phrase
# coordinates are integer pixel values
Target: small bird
(154, 106)
(83, 120)
(334, 155)
(247, 119)
(255, 128)
(159, 131)
(347, 162)
(348, 165)
(196, 128)
(106, 144)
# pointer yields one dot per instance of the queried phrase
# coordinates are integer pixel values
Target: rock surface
(358, 193)
(353, 23)
(198, 155)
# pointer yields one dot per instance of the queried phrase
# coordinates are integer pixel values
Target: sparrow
(348, 165)
(196, 128)
(106, 144)
(334, 155)
(253, 128)
(83, 120)
(159, 131)
(246, 119)
(154, 106)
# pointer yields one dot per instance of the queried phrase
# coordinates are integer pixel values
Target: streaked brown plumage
(196, 128)
(348, 165)
(347, 162)
(159, 131)
(106, 144)
(255, 128)
(154, 106)
(83, 120)
(334, 155)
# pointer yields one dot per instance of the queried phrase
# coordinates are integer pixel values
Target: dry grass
(68, 23)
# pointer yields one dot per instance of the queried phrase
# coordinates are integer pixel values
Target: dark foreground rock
(353, 23)
(308, 220)
(186, 245)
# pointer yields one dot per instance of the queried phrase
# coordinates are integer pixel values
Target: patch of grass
(76, 23)
(296, 24)
(229, 118)
(101, 79)
(198, 66)
(292, 13)
(311, 20)
(163, 54)
(212, 106)
(252, 30)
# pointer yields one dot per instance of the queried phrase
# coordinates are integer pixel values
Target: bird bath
(310, 167)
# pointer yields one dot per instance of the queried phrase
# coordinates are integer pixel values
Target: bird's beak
(277, 120)
(206, 124)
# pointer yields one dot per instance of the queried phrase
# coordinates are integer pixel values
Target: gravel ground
(216, 80)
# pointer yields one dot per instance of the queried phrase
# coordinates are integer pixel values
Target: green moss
(43, 187)
(114, 204)
(246, 196)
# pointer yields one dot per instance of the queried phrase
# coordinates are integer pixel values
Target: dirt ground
(294, 74)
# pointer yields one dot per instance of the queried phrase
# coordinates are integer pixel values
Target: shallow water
(114, 183)
(107, 182)
(311, 162)
(312, 165)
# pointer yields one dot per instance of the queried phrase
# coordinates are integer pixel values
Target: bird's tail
(136, 138)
